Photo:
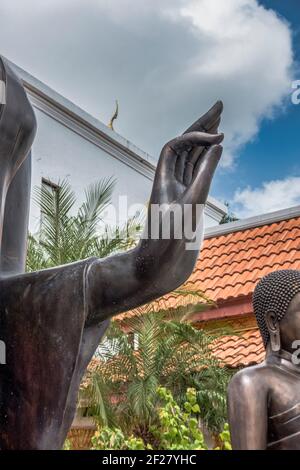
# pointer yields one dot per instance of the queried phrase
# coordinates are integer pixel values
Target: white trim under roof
(215, 209)
(252, 222)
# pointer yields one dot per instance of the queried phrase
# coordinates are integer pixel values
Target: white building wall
(72, 144)
(60, 153)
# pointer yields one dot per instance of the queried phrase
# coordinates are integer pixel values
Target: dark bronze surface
(53, 320)
(264, 400)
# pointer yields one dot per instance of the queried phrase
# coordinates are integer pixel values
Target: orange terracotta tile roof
(230, 265)
(240, 350)
(227, 271)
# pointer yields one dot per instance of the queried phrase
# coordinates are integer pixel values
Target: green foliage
(170, 352)
(66, 235)
(114, 439)
(229, 217)
(176, 429)
(67, 445)
(225, 439)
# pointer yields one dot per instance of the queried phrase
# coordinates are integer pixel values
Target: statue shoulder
(251, 378)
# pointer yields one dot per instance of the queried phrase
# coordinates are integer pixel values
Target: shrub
(177, 429)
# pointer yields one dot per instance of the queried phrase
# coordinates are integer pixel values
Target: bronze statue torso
(283, 404)
(264, 405)
(34, 309)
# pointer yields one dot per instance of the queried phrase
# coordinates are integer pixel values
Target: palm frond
(97, 197)
(66, 236)
(55, 223)
(142, 396)
(35, 255)
(101, 407)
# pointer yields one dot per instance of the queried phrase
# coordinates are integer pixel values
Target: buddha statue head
(276, 302)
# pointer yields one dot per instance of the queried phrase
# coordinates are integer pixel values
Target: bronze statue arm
(160, 264)
(247, 411)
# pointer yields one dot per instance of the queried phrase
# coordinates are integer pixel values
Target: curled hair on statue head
(274, 292)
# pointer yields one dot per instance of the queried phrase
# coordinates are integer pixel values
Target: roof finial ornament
(114, 117)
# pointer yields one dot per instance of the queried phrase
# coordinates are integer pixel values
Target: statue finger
(180, 165)
(213, 129)
(198, 190)
(205, 122)
(191, 161)
(194, 139)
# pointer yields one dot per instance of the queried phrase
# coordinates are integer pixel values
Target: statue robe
(44, 324)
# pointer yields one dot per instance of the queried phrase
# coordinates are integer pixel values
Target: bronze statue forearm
(158, 266)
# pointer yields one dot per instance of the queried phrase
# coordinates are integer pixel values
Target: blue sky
(274, 154)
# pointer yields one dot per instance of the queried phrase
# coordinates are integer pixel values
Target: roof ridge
(249, 230)
(253, 222)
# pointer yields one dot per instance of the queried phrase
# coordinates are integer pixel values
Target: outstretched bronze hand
(184, 160)
(161, 263)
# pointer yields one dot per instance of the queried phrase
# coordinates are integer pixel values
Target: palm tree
(64, 237)
(155, 345)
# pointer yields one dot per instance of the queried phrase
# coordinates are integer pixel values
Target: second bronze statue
(264, 400)
(53, 320)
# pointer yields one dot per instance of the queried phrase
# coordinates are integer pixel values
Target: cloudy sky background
(167, 61)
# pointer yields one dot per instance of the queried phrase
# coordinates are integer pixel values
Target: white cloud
(166, 61)
(271, 196)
